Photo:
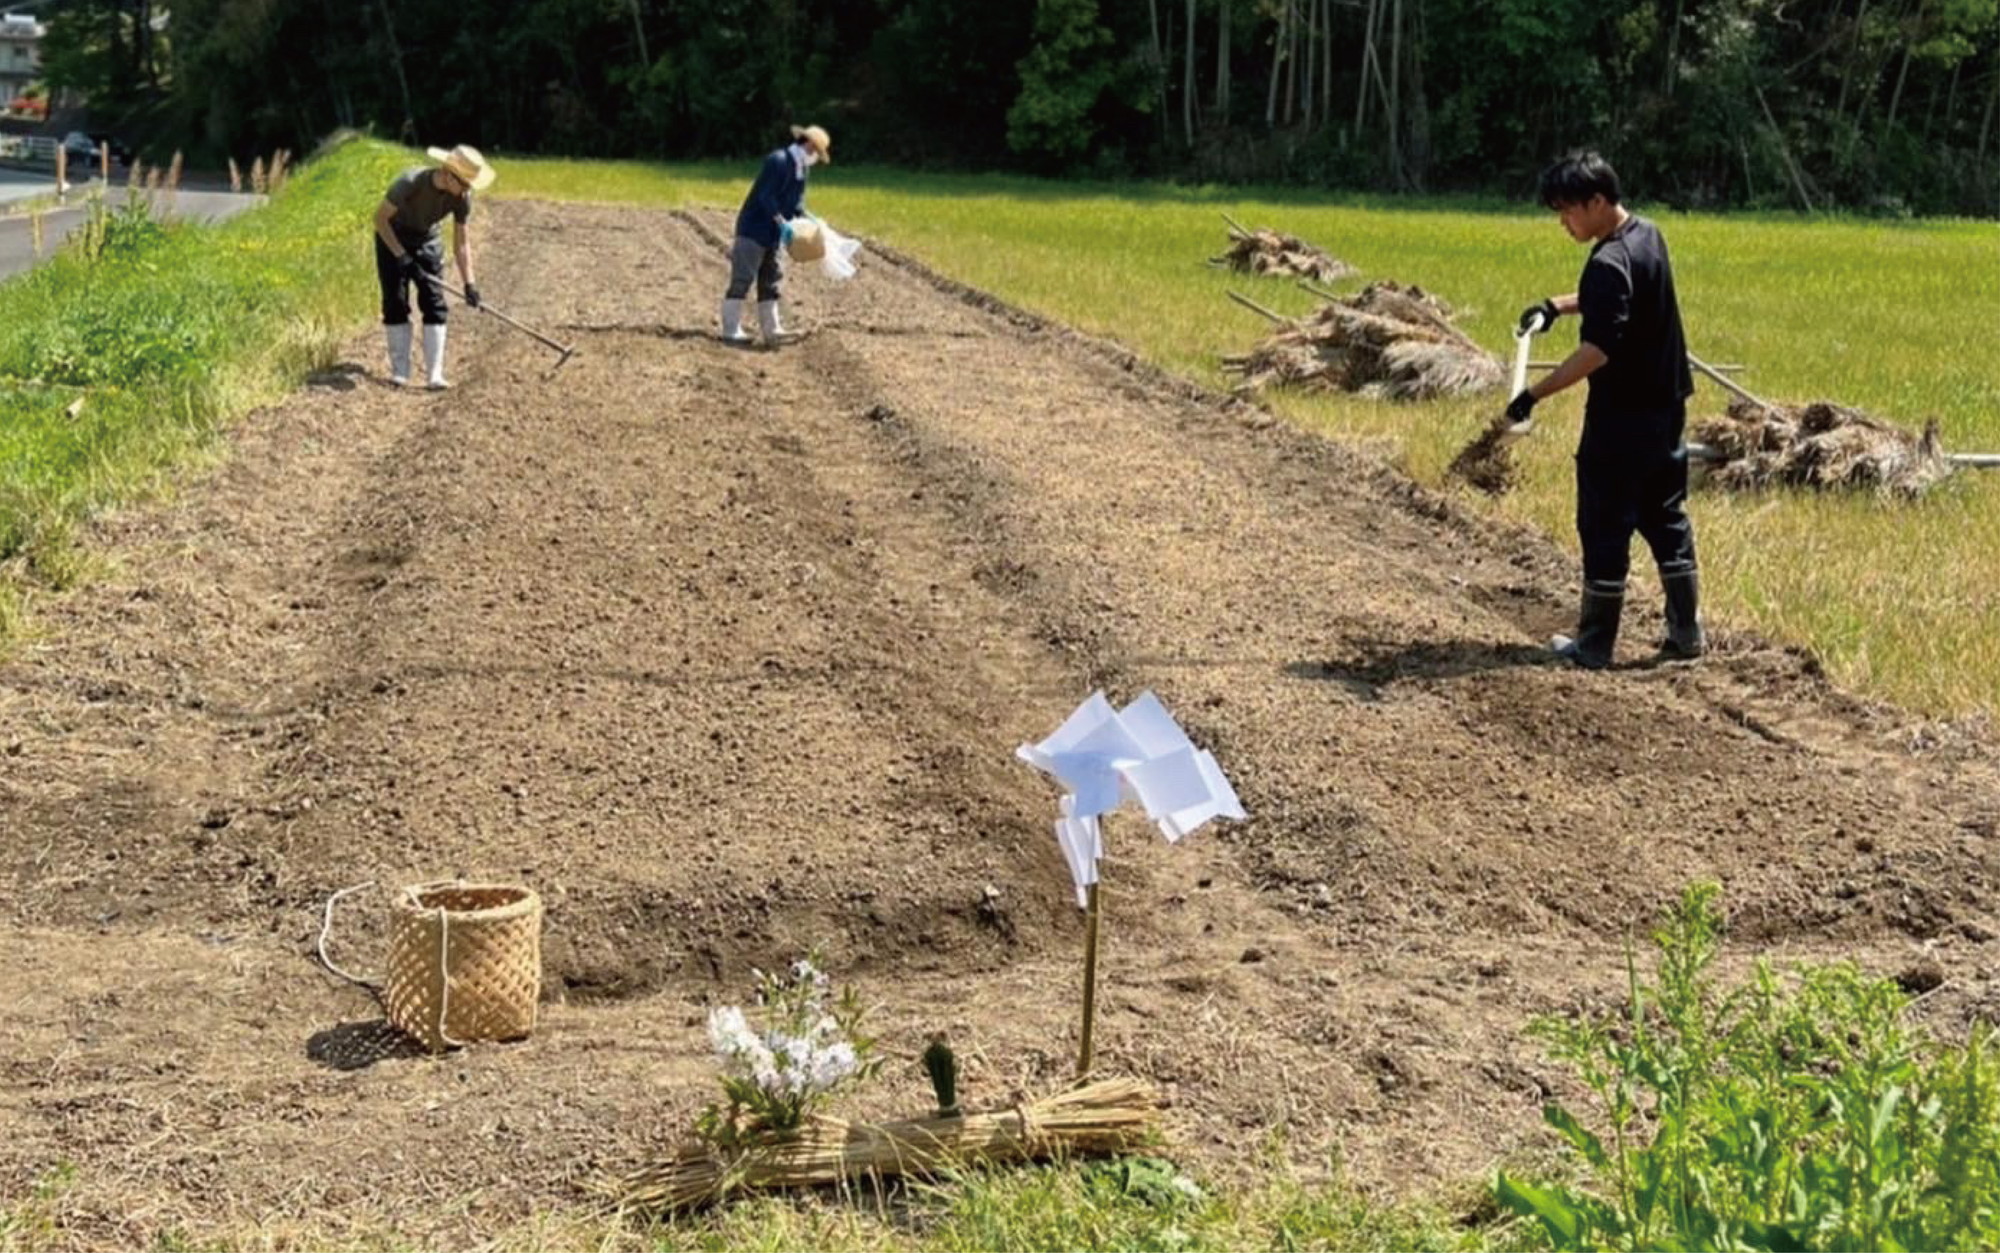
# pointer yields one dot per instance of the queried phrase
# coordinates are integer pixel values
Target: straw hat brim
(819, 139)
(479, 179)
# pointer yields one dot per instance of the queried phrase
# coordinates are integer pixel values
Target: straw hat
(818, 138)
(467, 165)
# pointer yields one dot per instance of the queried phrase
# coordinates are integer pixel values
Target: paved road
(20, 184)
(17, 244)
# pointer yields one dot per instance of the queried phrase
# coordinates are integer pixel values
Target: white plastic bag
(838, 263)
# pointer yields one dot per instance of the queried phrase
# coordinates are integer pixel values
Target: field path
(726, 652)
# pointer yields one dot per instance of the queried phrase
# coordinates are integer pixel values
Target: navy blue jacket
(779, 192)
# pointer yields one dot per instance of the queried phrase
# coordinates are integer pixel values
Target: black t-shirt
(1638, 398)
(421, 204)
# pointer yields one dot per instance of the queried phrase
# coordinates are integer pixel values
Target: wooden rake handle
(567, 350)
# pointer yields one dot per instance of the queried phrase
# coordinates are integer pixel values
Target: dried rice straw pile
(1110, 1116)
(1389, 341)
(1263, 252)
(1820, 445)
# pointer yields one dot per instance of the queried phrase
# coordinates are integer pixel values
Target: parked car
(83, 147)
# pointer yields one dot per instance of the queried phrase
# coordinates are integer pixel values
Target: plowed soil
(726, 653)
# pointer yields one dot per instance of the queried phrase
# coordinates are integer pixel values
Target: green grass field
(122, 355)
(1898, 600)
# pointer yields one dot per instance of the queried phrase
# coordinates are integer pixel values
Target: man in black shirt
(1631, 464)
(408, 250)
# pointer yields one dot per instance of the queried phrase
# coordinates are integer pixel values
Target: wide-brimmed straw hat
(466, 164)
(818, 138)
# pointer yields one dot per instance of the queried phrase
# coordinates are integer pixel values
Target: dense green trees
(1884, 104)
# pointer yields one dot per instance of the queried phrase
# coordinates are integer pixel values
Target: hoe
(567, 350)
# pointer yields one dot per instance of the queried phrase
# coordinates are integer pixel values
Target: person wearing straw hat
(408, 250)
(764, 226)
(1631, 463)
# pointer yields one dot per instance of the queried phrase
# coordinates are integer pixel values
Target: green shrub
(1800, 1114)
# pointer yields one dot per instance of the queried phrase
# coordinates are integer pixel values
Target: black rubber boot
(1685, 640)
(1596, 626)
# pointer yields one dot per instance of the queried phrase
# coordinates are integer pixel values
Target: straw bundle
(1263, 252)
(1819, 445)
(1110, 1116)
(1388, 341)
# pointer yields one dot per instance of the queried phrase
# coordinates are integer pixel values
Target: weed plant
(1791, 1113)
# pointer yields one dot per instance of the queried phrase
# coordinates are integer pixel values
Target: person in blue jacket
(764, 226)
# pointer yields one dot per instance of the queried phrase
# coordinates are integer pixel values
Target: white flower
(735, 1044)
(798, 1053)
(832, 1065)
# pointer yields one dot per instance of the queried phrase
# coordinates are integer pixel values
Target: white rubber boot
(399, 353)
(434, 355)
(732, 323)
(769, 322)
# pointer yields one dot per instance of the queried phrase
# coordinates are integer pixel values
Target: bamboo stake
(1254, 307)
(1730, 385)
(1086, 1050)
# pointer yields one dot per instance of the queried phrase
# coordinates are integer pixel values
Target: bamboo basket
(1109, 1116)
(465, 963)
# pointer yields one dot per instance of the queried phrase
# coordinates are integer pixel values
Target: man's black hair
(1576, 178)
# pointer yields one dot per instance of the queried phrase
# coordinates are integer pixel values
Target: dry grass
(1820, 445)
(1273, 254)
(1109, 1116)
(1390, 342)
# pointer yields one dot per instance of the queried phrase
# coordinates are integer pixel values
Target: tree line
(1876, 105)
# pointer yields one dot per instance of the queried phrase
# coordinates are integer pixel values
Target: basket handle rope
(414, 893)
(326, 931)
(444, 977)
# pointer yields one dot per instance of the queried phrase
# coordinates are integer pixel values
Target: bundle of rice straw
(1819, 445)
(1109, 1116)
(1389, 341)
(1263, 252)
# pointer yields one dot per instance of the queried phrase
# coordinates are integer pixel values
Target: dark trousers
(750, 261)
(395, 292)
(1616, 496)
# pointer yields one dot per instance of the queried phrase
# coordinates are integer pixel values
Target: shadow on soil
(359, 1045)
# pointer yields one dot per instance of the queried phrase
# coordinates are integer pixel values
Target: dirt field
(727, 652)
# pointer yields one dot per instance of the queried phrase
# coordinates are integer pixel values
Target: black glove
(407, 266)
(1538, 318)
(1521, 408)
(472, 294)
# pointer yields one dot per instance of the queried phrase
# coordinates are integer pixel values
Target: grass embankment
(1899, 600)
(123, 354)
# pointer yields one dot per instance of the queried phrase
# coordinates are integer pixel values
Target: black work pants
(395, 291)
(1617, 495)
